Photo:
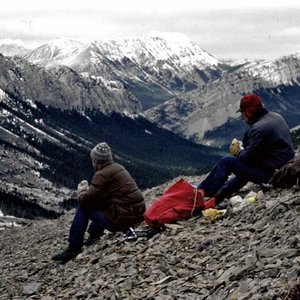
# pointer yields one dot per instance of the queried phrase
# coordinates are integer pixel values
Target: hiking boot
(92, 239)
(147, 233)
(67, 255)
(131, 234)
(223, 205)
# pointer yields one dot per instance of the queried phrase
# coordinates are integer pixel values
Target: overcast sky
(225, 28)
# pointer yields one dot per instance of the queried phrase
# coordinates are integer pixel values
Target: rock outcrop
(251, 254)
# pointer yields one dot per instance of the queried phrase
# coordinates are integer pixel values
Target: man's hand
(82, 187)
(235, 147)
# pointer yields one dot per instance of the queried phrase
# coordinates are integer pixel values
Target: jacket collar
(257, 116)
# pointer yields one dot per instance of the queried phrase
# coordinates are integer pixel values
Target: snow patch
(5, 113)
(2, 94)
(126, 113)
(31, 103)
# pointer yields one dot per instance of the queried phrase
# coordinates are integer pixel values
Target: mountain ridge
(180, 87)
(158, 60)
(18, 79)
(193, 114)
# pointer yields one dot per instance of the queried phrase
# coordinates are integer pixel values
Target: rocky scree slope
(251, 254)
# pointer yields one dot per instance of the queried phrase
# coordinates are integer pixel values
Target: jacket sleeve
(95, 195)
(254, 149)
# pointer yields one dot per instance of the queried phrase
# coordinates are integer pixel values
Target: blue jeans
(218, 184)
(80, 223)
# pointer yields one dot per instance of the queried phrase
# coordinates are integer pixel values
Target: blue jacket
(267, 142)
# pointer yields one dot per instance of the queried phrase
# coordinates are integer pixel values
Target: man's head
(250, 106)
(101, 154)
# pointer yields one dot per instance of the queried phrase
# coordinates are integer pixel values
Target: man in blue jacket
(266, 146)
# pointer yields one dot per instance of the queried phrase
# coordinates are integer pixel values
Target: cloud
(223, 28)
(290, 32)
(138, 5)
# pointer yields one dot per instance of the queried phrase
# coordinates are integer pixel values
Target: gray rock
(31, 288)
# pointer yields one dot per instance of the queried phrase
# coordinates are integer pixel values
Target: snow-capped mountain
(179, 86)
(169, 63)
(58, 52)
(174, 49)
(11, 47)
(195, 113)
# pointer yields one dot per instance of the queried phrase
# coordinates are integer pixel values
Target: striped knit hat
(101, 153)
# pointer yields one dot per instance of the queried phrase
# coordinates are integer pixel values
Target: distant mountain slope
(48, 131)
(62, 87)
(52, 151)
(296, 137)
(194, 114)
(282, 99)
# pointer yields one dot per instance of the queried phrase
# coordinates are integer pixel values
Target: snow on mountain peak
(65, 43)
(8, 41)
(157, 45)
(177, 37)
(61, 49)
(182, 46)
(10, 47)
(175, 49)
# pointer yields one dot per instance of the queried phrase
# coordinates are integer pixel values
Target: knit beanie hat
(101, 153)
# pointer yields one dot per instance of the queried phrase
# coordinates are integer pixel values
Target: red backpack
(180, 201)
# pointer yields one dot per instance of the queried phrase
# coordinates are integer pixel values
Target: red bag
(180, 201)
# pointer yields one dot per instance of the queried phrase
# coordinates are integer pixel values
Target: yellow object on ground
(251, 199)
(212, 214)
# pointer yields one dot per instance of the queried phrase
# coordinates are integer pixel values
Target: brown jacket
(116, 194)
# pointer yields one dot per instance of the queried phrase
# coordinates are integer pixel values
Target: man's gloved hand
(235, 147)
(82, 187)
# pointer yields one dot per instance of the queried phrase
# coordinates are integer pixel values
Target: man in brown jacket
(113, 202)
